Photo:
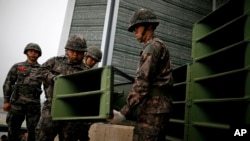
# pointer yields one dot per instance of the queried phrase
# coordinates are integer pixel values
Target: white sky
(25, 21)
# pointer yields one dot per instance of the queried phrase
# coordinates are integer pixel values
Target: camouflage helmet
(77, 43)
(33, 46)
(143, 16)
(95, 53)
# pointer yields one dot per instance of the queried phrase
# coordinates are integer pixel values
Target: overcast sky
(25, 21)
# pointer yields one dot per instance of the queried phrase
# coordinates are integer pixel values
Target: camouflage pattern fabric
(76, 42)
(22, 91)
(151, 91)
(33, 46)
(47, 129)
(17, 115)
(94, 52)
(142, 16)
(151, 127)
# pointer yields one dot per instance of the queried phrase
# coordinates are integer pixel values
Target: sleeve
(46, 71)
(9, 83)
(144, 78)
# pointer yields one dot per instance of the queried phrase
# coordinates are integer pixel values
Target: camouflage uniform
(151, 91)
(22, 91)
(47, 129)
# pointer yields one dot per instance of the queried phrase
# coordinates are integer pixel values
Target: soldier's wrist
(6, 100)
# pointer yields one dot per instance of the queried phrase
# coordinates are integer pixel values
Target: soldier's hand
(118, 117)
(6, 107)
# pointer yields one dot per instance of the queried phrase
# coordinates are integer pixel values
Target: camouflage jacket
(153, 72)
(20, 82)
(53, 67)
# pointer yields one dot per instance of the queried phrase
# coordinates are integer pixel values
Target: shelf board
(79, 94)
(228, 25)
(243, 99)
(179, 84)
(218, 52)
(211, 125)
(171, 138)
(247, 68)
(177, 121)
(179, 102)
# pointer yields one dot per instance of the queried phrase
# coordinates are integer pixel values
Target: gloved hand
(118, 117)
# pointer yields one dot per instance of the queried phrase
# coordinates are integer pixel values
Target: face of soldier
(89, 61)
(75, 56)
(138, 30)
(32, 55)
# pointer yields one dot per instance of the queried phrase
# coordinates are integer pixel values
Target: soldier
(151, 91)
(22, 94)
(92, 56)
(47, 129)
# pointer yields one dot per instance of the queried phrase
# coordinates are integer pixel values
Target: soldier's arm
(143, 80)
(46, 71)
(9, 83)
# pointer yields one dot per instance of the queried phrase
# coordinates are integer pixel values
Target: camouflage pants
(17, 115)
(75, 130)
(47, 129)
(151, 127)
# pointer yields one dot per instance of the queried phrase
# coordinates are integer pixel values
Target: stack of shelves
(219, 90)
